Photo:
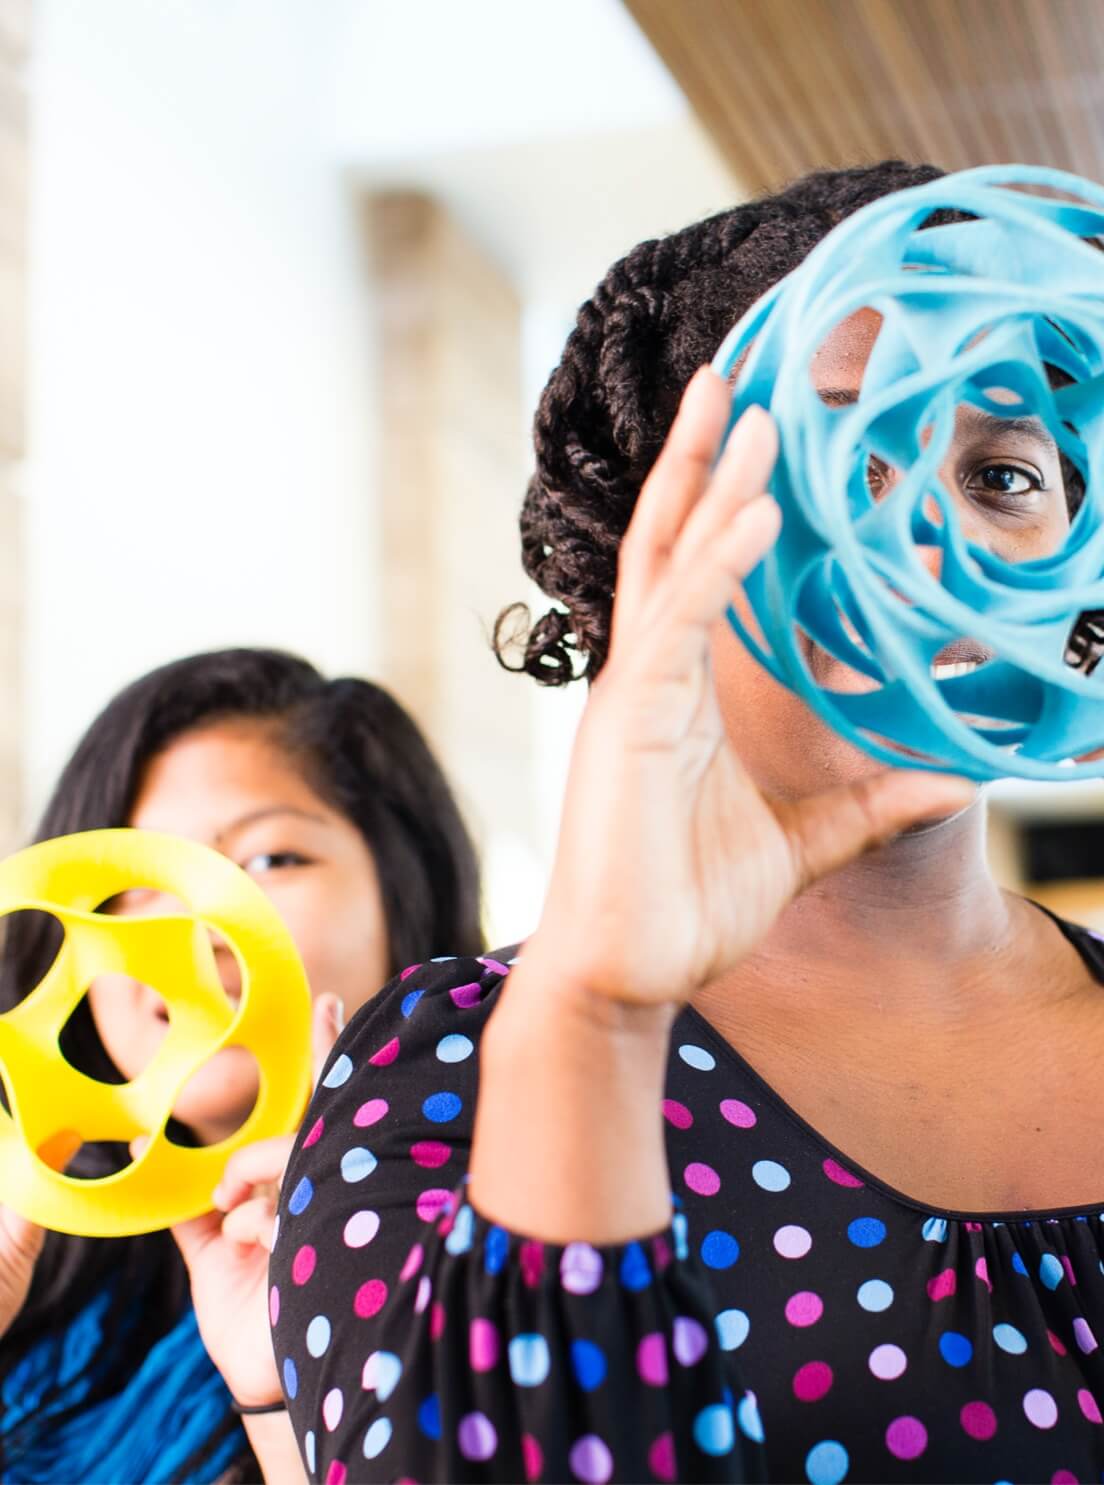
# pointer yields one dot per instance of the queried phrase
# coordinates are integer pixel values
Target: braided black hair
(655, 318)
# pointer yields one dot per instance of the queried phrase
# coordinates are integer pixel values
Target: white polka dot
(377, 1438)
(697, 1057)
(792, 1242)
(339, 1073)
(308, 1448)
(770, 1176)
(361, 1228)
(318, 1335)
(381, 1373)
(887, 1362)
(333, 1406)
(1040, 1407)
(275, 1229)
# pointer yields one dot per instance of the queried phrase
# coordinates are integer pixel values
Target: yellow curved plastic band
(54, 1108)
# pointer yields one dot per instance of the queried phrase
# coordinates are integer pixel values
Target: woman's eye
(274, 860)
(1004, 479)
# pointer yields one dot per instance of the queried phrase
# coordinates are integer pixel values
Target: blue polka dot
(770, 1176)
(496, 1249)
(732, 1328)
(460, 1238)
(1019, 1265)
(636, 1273)
(318, 1335)
(1009, 1339)
(679, 1229)
(439, 1108)
(697, 1057)
(1051, 1271)
(866, 1232)
(291, 1379)
(955, 1349)
(827, 1463)
(429, 1417)
(300, 1198)
(388, 1371)
(454, 1047)
(588, 1362)
(719, 1249)
(377, 1438)
(309, 1449)
(747, 1415)
(934, 1230)
(530, 1360)
(339, 1073)
(714, 1430)
(875, 1296)
(357, 1163)
(410, 1000)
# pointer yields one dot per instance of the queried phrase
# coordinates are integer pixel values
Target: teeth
(948, 670)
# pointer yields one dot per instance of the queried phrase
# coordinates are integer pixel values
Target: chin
(223, 1092)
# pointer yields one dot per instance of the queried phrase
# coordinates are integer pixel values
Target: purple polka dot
(1083, 1335)
(273, 1305)
(465, 996)
(370, 1113)
(978, 1420)
(430, 1154)
(1040, 1408)
(386, 1054)
(661, 1458)
(370, 1298)
(1088, 1405)
(812, 1381)
(590, 1460)
(651, 1359)
(804, 1308)
(738, 1113)
(476, 1436)
(483, 1346)
(677, 1113)
(906, 1438)
(580, 1268)
(792, 1242)
(302, 1265)
(835, 1172)
(689, 1341)
(702, 1179)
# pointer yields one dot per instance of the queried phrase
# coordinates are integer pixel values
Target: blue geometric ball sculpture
(981, 312)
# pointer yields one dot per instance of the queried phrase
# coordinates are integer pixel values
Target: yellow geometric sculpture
(55, 1108)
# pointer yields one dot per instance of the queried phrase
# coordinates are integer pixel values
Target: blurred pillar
(451, 477)
(14, 27)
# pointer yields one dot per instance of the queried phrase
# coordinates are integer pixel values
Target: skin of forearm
(272, 1441)
(568, 1143)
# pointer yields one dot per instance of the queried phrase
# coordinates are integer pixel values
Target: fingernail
(337, 1014)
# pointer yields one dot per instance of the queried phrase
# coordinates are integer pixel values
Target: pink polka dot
(371, 1112)
(370, 1298)
(1064, 1477)
(1068, 1266)
(430, 1154)
(315, 1133)
(494, 964)
(738, 1113)
(333, 1405)
(477, 1437)
(804, 1308)
(1083, 1335)
(906, 1438)
(430, 1204)
(436, 1321)
(981, 1268)
(972, 1226)
(702, 1179)
(421, 1295)
(812, 1381)
(590, 1460)
(651, 1359)
(1088, 1405)
(337, 1474)
(689, 1341)
(661, 1457)
(1056, 1344)
(531, 1263)
(465, 995)
(386, 1054)
(677, 1113)
(413, 1263)
(302, 1265)
(483, 1346)
(835, 1172)
(942, 1286)
(1040, 1408)
(409, 970)
(532, 1457)
(978, 1420)
(273, 1305)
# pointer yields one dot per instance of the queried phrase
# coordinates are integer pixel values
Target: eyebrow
(992, 422)
(266, 813)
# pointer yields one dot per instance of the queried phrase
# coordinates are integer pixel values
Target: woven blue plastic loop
(970, 308)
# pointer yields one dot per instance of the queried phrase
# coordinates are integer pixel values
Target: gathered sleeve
(418, 1341)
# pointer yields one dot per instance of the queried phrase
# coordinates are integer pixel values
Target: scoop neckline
(1072, 932)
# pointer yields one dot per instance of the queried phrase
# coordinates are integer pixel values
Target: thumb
(193, 1236)
(828, 830)
(23, 1237)
(327, 1023)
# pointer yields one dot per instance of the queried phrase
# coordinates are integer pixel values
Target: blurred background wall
(298, 272)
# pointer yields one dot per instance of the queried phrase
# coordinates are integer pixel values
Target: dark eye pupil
(998, 477)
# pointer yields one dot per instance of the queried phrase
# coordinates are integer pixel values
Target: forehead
(839, 361)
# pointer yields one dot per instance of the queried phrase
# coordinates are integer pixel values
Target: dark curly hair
(655, 318)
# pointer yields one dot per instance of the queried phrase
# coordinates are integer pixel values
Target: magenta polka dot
(906, 1438)
(436, 1321)
(651, 1359)
(812, 1381)
(590, 1460)
(661, 1458)
(337, 1474)
(792, 1242)
(1064, 1477)
(835, 1172)
(302, 1265)
(531, 1263)
(677, 1113)
(1088, 1405)
(386, 1054)
(422, 1294)
(430, 1154)
(315, 1133)
(978, 1420)
(273, 1305)
(370, 1113)
(476, 1437)
(1040, 1408)
(942, 1286)
(981, 1268)
(483, 1346)
(737, 1112)
(1055, 1344)
(804, 1308)
(409, 970)
(370, 1298)
(412, 1264)
(430, 1204)
(532, 1458)
(1067, 1264)
(465, 995)
(689, 1341)
(702, 1179)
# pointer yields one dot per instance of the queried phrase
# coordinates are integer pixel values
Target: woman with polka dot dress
(776, 1151)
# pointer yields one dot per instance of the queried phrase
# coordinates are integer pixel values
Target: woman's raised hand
(20, 1244)
(671, 864)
